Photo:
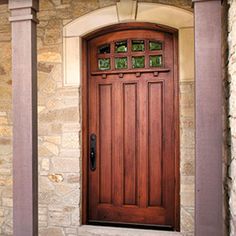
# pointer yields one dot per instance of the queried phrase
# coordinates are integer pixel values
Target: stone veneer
(60, 129)
(232, 113)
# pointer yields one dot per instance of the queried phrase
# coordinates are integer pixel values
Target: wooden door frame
(85, 96)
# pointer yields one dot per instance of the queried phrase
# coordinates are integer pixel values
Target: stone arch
(130, 11)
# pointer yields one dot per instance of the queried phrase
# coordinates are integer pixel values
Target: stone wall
(225, 107)
(232, 114)
(186, 4)
(5, 124)
(60, 129)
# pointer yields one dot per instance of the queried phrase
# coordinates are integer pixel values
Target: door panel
(105, 143)
(155, 133)
(131, 111)
(130, 143)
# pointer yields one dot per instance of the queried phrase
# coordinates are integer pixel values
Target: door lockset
(93, 152)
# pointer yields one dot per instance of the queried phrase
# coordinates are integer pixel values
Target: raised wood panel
(155, 133)
(105, 143)
(130, 143)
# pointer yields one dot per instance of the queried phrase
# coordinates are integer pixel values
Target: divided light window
(130, 54)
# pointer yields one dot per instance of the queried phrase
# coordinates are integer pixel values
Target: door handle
(93, 152)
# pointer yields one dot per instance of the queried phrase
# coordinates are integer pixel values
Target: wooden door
(132, 159)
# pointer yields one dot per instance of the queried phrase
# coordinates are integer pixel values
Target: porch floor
(88, 230)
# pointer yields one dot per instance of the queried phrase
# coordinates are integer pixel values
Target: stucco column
(24, 76)
(209, 133)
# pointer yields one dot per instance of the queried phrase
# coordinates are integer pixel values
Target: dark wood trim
(25, 136)
(125, 26)
(112, 72)
(85, 92)
(209, 132)
(177, 133)
(3, 2)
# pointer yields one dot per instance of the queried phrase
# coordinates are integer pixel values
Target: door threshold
(95, 230)
(131, 225)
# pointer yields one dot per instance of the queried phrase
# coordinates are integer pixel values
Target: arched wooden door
(132, 154)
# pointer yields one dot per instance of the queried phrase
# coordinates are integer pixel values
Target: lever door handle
(93, 152)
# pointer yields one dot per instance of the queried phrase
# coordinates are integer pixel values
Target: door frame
(85, 96)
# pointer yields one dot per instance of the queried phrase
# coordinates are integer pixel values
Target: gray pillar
(209, 132)
(24, 76)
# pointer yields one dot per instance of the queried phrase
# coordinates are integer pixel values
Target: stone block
(64, 189)
(7, 202)
(71, 127)
(54, 149)
(59, 217)
(53, 32)
(67, 152)
(51, 232)
(73, 198)
(45, 5)
(73, 179)
(75, 217)
(45, 67)
(45, 185)
(187, 138)
(55, 104)
(5, 141)
(69, 114)
(49, 197)
(64, 12)
(42, 210)
(3, 120)
(187, 185)
(46, 14)
(45, 164)
(5, 131)
(57, 72)
(71, 231)
(70, 140)
(80, 8)
(56, 178)
(5, 180)
(106, 3)
(56, 128)
(44, 152)
(187, 199)
(64, 165)
(53, 139)
(187, 167)
(187, 224)
(50, 57)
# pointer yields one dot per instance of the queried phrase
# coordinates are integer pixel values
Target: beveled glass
(138, 62)
(155, 45)
(121, 63)
(104, 49)
(155, 61)
(104, 64)
(121, 46)
(138, 45)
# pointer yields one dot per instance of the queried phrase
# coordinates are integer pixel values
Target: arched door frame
(84, 85)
